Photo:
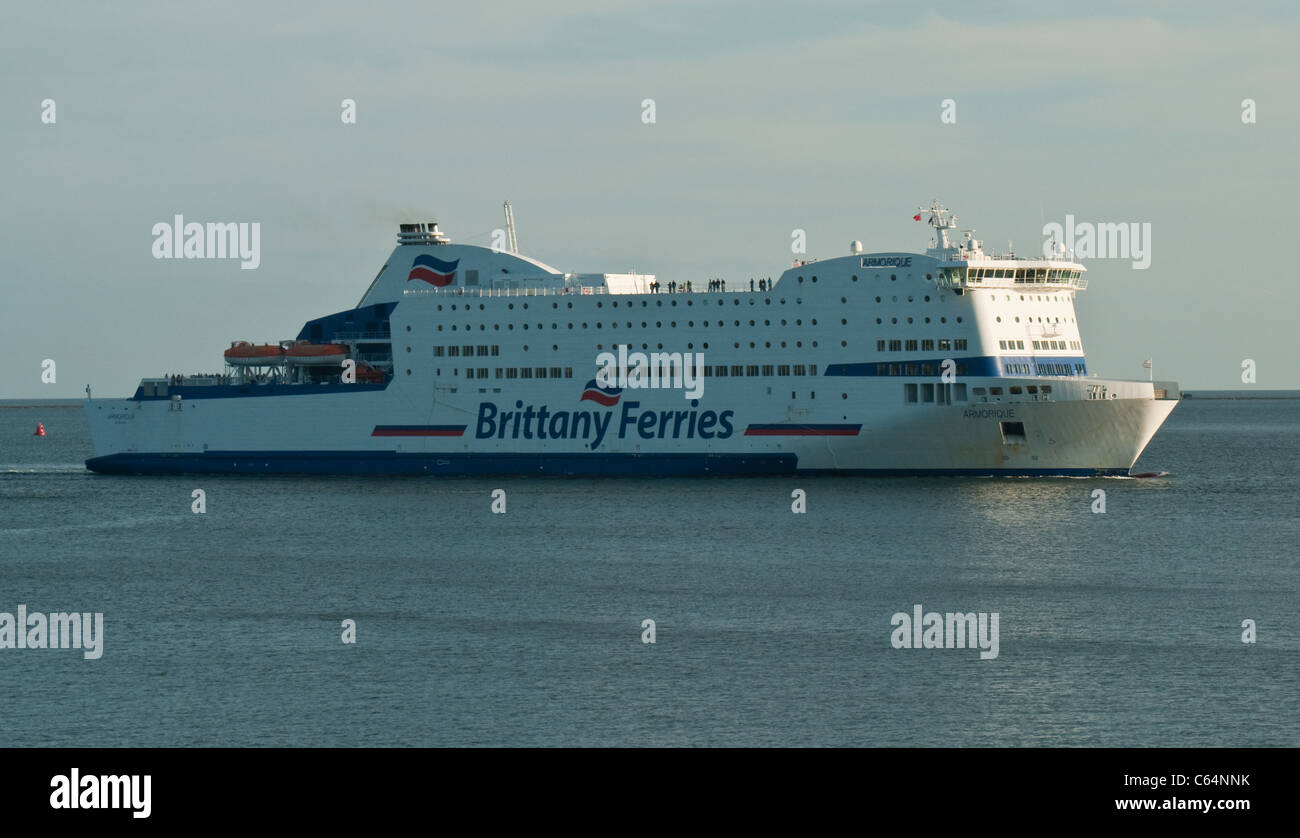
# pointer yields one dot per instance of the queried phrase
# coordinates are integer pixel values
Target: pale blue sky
(771, 116)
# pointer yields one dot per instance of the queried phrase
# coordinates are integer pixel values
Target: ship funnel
(424, 233)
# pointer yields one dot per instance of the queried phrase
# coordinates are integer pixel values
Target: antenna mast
(510, 229)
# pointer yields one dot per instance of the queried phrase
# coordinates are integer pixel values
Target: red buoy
(40, 430)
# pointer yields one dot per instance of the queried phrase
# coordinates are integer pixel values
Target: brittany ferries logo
(540, 422)
(608, 396)
(433, 270)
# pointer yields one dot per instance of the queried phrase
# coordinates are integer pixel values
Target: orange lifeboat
(369, 375)
(244, 354)
(316, 354)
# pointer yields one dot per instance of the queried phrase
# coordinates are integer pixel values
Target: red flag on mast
(916, 217)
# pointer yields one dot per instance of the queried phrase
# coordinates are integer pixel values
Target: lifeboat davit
(316, 354)
(244, 354)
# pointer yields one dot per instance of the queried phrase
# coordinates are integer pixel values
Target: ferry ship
(469, 360)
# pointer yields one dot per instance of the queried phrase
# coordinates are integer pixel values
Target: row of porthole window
(628, 304)
(466, 351)
(854, 278)
(672, 324)
(918, 369)
(997, 391)
(668, 372)
(910, 298)
(944, 344)
(894, 320)
(511, 372)
(735, 301)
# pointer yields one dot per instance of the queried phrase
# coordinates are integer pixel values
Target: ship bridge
(982, 269)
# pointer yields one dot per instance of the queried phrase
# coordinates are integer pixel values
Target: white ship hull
(868, 433)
